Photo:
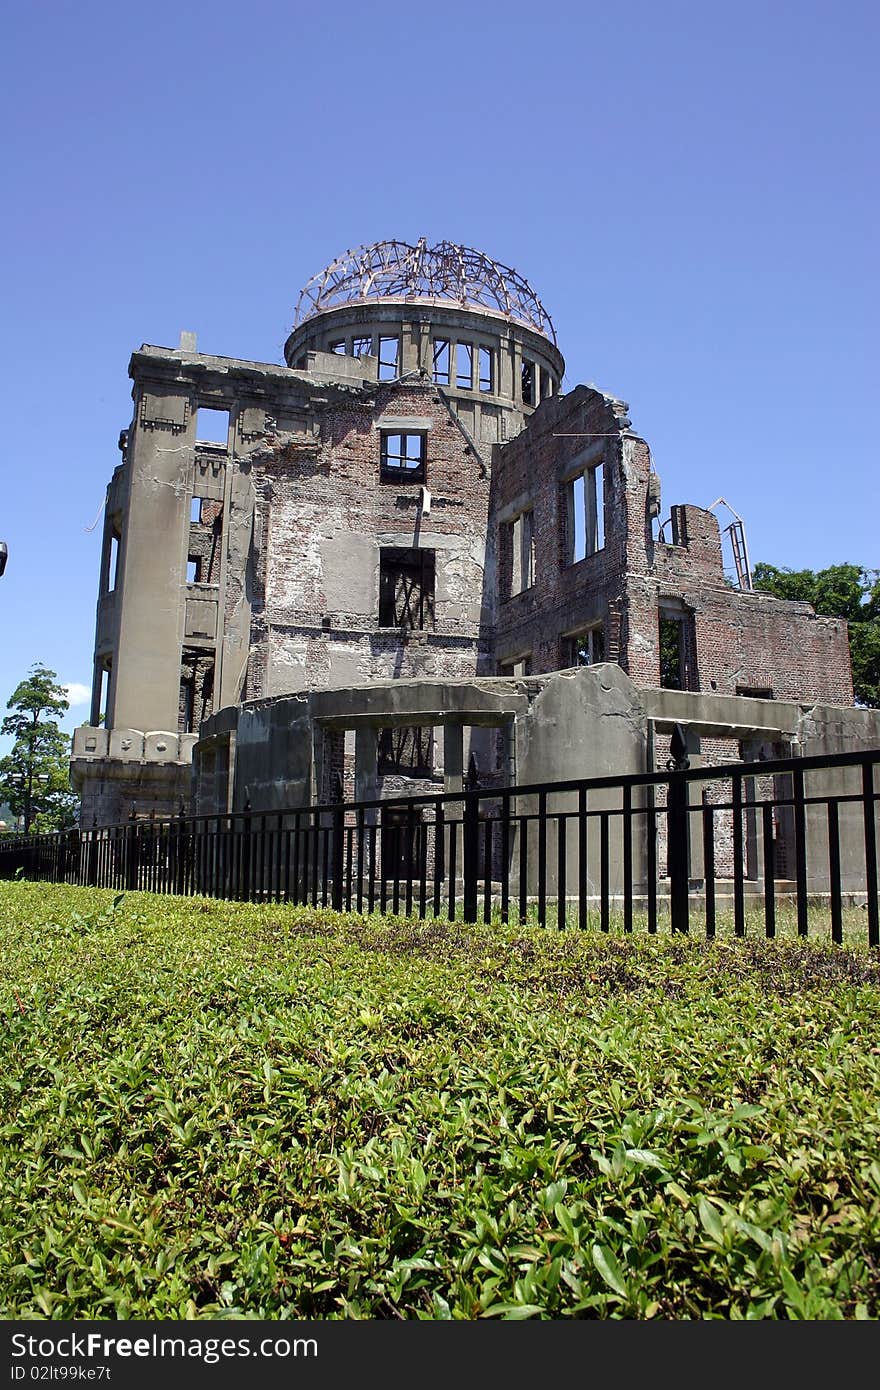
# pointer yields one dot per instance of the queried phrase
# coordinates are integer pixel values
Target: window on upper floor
(212, 426)
(518, 554)
(440, 353)
(389, 356)
(677, 638)
(464, 366)
(583, 648)
(529, 385)
(487, 369)
(361, 346)
(338, 347)
(402, 457)
(583, 514)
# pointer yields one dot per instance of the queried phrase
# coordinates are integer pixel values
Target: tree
(35, 775)
(840, 591)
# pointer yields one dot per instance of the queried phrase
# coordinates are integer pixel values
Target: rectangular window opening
(361, 347)
(196, 690)
(546, 384)
(441, 361)
(528, 381)
(338, 347)
(521, 542)
(113, 563)
(212, 426)
(194, 570)
(402, 457)
(389, 351)
(584, 514)
(406, 588)
(677, 640)
(584, 648)
(464, 366)
(487, 372)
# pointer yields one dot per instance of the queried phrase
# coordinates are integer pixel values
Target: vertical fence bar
(604, 873)
(651, 858)
(523, 904)
(453, 851)
(505, 857)
(338, 833)
(800, 839)
(870, 853)
(439, 847)
(677, 849)
(582, 858)
(709, 861)
(560, 871)
(409, 851)
(371, 885)
(627, 860)
(470, 855)
(487, 868)
(739, 915)
(769, 869)
(542, 859)
(834, 873)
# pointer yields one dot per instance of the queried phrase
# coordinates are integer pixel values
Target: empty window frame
(583, 648)
(212, 426)
(528, 378)
(402, 457)
(406, 588)
(196, 690)
(464, 366)
(519, 666)
(584, 514)
(406, 751)
(487, 369)
(677, 643)
(546, 384)
(756, 692)
(441, 350)
(518, 553)
(205, 533)
(361, 346)
(110, 572)
(389, 352)
(338, 347)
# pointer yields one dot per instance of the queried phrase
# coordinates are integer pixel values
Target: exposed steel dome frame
(445, 272)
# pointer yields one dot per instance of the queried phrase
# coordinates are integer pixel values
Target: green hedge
(222, 1110)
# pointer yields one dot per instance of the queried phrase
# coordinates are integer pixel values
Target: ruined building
(370, 558)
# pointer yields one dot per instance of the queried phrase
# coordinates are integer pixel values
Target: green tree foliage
(840, 591)
(35, 775)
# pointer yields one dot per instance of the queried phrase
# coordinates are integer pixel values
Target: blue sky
(691, 189)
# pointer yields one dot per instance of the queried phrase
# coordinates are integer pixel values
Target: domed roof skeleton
(445, 272)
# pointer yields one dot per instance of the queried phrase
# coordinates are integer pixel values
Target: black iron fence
(696, 848)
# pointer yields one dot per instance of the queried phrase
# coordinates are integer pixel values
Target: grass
(213, 1110)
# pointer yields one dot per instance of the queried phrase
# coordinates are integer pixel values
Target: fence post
(132, 851)
(181, 850)
(471, 838)
(338, 814)
(677, 830)
(92, 871)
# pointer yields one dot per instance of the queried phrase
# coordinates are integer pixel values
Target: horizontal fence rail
(742, 847)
